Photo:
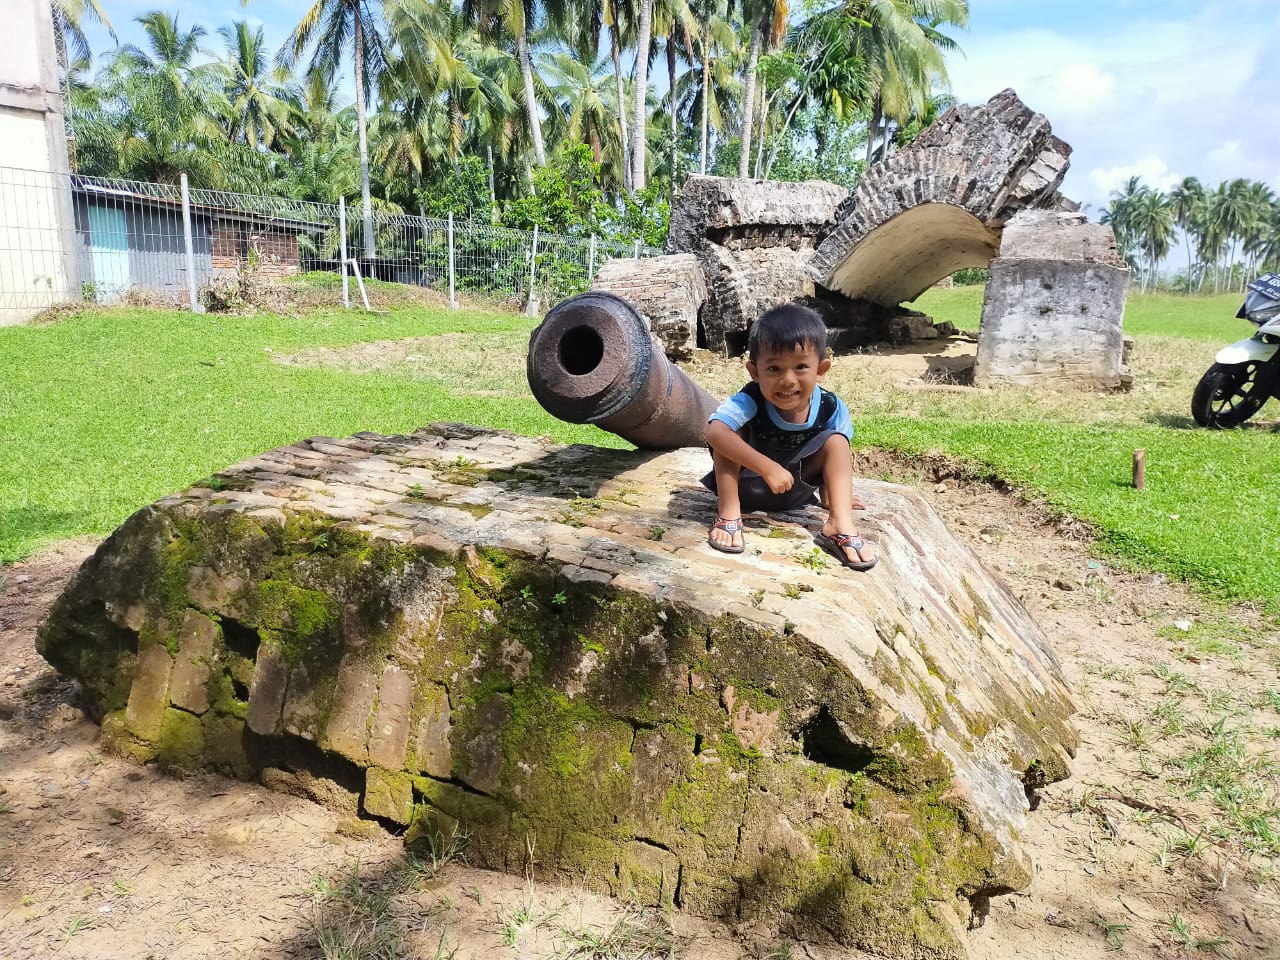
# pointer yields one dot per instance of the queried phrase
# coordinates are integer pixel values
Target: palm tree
(766, 23)
(902, 47)
(331, 27)
(677, 24)
(1119, 215)
(1227, 213)
(259, 102)
(585, 91)
(1184, 200)
(1254, 231)
(707, 93)
(639, 122)
(1151, 220)
(514, 18)
(164, 106)
(69, 17)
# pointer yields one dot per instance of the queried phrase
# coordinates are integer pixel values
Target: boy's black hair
(787, 327)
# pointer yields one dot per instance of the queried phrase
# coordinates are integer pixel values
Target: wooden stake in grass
(1139, 468)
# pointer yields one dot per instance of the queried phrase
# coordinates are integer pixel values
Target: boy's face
(787, 378)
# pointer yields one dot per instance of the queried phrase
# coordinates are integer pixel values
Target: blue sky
(1158, 88)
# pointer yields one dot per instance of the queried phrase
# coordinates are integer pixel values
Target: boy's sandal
(731, 527)
(839, 546)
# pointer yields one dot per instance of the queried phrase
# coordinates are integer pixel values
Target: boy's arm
(726, 442)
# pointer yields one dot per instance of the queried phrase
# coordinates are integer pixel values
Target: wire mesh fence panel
(74, 238)
(39, 252)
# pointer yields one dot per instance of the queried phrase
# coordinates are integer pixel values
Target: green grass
(108, 410)
(1209, 319)
(105, 411)
(1208, 512)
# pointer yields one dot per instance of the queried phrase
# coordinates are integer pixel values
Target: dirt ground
(1145, 852)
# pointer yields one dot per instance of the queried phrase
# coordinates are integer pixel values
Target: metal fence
(67, 238)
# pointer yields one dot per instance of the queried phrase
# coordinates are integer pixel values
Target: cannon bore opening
(581, 351)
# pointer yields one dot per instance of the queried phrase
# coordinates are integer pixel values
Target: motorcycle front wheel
(1227, 395)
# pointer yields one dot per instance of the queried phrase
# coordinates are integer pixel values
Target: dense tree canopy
(753, 87)
(1231, 232)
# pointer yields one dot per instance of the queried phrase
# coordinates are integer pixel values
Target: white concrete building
(37, 231)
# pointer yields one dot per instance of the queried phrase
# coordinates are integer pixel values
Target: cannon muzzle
(593, 360)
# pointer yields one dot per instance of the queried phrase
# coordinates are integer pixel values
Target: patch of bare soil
(1136, 854)
(460, 362)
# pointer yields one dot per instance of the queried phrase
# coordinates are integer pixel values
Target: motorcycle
(1246, 374)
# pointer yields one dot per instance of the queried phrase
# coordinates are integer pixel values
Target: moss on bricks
(180, 745)
(388, 794)
(119, 741)
(224, 745)
(567, 764)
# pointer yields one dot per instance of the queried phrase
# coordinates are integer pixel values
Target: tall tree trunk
(493, 193)
(531, 104)
(706, 96)
(780, 134)
(639, 138)
(1186, 238)
(873, 128)
(764, 124)
(623, 140)
(671, 96)
(749, 101)
(366, 204)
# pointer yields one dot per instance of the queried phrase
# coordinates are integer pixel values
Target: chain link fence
(67, 238)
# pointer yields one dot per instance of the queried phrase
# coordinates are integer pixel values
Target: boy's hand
(778, 478)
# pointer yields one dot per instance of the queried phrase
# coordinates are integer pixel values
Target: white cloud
(1153, 171)
(1085, 83)
(1161, 98)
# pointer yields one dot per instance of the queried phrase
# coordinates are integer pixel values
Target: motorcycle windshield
(1262, 302)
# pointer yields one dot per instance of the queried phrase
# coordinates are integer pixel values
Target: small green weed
(814, 560)
(353, 920)
(78, 924)
(1172, 678)
(441, 848)
(1113, 934)
(635, 935)
(1137, 734)
(1181, 929)
(521, 919)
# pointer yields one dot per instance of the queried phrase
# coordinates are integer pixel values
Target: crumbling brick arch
(904, 256)
(948, 195)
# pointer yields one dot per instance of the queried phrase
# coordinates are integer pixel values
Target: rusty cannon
(593, 360)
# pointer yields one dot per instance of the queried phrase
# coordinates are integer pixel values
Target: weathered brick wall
(276, 249)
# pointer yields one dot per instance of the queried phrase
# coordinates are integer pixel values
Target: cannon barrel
(593, 360)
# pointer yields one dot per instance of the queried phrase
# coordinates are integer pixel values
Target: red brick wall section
(277, 252)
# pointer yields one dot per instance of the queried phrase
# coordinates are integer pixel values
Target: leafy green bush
(970, 277)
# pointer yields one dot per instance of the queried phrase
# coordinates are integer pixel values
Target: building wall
(157, 253)
(37, 262)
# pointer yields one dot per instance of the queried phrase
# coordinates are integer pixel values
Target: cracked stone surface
(666, 291)
(753, 240)
(536, 643)
(940, 204)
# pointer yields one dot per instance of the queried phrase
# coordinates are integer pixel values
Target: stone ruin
(940, 205)
(462, 629)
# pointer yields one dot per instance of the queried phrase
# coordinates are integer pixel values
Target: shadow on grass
(23, 529)
(1173, 421)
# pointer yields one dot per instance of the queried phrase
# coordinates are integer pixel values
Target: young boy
(782, 438)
